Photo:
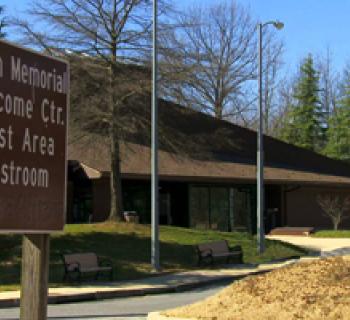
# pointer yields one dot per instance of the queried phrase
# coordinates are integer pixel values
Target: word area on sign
(34, 143)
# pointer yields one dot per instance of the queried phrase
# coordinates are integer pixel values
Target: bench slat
(85, 260)
(215, 246)
(218, 249)
(79, 263)
(95, 269)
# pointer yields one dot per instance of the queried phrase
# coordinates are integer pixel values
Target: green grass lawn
(128, 246)
(332, 234)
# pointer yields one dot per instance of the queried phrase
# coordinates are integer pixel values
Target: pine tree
(338, 145)
(304, 122)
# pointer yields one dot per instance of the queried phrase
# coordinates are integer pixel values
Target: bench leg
(68, 277)
(204, 261)
(235, 259)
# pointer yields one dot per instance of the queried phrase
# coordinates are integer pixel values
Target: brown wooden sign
(33, 139)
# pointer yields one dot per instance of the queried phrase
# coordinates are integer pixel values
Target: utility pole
(154, 156)
(260, 143)
(260, 154)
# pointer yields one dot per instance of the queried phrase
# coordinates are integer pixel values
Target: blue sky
(310, 25)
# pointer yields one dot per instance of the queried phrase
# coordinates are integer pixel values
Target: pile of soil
(314, 290)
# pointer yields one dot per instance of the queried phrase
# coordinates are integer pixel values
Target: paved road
(326, 246)
(127, 308)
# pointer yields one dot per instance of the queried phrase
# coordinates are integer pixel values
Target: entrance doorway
(273, 207)
(165, 209)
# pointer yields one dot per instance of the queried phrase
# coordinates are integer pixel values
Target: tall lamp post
(154, 147)
(260, 150)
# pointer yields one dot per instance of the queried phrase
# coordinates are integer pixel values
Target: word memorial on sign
(33, 139)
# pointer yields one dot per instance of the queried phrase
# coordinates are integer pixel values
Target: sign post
(34, 279)
(34, 93)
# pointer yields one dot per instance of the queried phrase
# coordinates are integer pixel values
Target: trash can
(131, 216)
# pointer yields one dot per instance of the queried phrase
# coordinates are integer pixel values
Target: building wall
(137, 197)
(101, 199)
(302, 209)
(70, 194)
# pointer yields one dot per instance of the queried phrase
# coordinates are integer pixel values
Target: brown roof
(136, 163)
(195, 146)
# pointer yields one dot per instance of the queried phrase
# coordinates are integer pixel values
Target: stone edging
(132, 292)
(100, 295)
(158, 316)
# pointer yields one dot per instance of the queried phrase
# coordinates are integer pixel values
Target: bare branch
(335, 207)
(208, 63)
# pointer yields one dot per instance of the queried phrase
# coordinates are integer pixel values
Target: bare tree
(284, 97)
(3, 22)
(113, 32)
(271, 66)
(214, 52)
(209, 62)
(335, 207)
(328, 83)
(343, 84)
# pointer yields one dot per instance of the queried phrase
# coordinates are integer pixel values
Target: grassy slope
(332, 234)
(128, 246)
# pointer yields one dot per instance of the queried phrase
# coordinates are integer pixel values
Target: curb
(125, 293)
(157, 316)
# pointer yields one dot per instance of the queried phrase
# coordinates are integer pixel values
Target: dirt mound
(314, 290)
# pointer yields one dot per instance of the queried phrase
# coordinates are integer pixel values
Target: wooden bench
(218, 250)
(76, 264)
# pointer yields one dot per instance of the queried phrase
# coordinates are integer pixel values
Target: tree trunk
(218, 109)
(335, 225)
(116, 211)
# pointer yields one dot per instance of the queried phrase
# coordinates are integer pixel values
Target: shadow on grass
(287, 245)
(10, 259)
(130, 254)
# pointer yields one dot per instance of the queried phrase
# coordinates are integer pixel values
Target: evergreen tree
(304, 123)
(338, 145)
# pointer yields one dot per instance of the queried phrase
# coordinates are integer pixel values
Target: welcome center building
(207, 173)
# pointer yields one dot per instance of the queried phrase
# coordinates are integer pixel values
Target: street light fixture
(278, 25)
(260, 150)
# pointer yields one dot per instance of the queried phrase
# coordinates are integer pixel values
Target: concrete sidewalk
(324, 246)
(152, 285)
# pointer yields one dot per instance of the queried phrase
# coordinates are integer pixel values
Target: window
(241, 209)
(220, 208)
(199, 207)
